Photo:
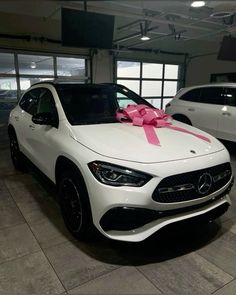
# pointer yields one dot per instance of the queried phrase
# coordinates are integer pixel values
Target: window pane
(35, 65)
(8, 98)
(26, 83)
(230, 97)
(67, 66)
(171, 71)
(213, 95)
(165, 102)
(8, 89)
(151, 88)
(7, 63)
(132, 85)
(152, 70)
(170, 88)
(123, 100)
(155, 102)
(128, 69)
(192, 95)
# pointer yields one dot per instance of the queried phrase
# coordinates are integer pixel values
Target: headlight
(116, 175)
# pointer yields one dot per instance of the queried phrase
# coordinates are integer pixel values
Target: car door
(44, 137)
(204, 111)
(23, 120)
(227, 117)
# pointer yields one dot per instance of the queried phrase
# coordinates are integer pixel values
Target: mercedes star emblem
(204, 183)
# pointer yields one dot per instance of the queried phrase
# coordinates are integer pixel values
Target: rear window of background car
(211, 95)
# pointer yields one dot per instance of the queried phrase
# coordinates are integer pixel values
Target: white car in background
(211, 108)
(108, 175)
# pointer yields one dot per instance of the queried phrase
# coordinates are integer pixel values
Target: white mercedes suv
(109, 176)
(211, 108)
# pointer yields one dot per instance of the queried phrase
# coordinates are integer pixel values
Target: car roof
(221, 84)
(74, 82)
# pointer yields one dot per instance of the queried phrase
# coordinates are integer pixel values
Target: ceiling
(172, 25)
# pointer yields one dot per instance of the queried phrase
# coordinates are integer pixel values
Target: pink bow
(149, 118)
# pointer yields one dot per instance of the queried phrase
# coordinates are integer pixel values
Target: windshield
(94, 104)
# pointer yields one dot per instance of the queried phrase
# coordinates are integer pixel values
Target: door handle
(226, 114)
(191, 109)
(32, 126)
(17, 118)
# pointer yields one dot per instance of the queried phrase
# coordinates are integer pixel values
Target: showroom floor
(38, 256)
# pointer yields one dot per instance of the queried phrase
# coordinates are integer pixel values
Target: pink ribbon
(150, 118)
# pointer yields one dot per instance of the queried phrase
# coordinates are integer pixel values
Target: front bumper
(131, 214)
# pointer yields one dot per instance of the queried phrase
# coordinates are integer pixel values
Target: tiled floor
(38, 256)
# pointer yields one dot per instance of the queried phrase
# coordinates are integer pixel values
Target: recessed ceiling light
(33, 65)
(145, 38)
(198, 4)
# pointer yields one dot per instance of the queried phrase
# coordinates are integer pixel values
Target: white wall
(199, 69)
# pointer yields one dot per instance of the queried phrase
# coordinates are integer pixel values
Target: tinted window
(29, 101)
(230, 97)
(192, 95)
(123, 100)
(89, 104)
(46, 102)
(212, 95)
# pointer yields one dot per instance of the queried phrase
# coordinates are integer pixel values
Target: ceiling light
(33, 65)
(144, 29)
(145, 38)
(198, 4)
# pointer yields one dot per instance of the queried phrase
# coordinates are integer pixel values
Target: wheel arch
(11, 129)
(182, 118)
(63, 163)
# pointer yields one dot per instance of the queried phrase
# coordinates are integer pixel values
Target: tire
(75, 206)
(16, 155)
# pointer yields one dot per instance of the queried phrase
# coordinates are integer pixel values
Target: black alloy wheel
(16, 156)
(71, 205)
(75, 206)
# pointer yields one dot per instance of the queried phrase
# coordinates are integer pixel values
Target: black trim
(129, 218)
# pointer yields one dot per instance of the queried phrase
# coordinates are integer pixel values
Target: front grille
(185, 186)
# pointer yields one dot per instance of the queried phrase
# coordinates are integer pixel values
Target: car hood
(129, 143)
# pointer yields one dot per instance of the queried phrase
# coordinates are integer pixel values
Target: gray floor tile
(230, 225)
(4, 193)
(125, 280)
(6, 167)
(16, 241)
(75, 266)
(229, 289)
(189, 274)
(29, 275)
(9, 214)
(51, 232)
(222, 252)
(33, 201)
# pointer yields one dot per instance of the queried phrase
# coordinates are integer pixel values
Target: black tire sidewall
(18, 162)
(86, 221)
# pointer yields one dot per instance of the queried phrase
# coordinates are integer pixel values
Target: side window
(29, 101)
(230, 97)
(123, 100)
(192, 95)
(212, 95)
(46, 102)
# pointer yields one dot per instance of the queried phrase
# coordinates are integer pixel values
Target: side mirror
(43, 119)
